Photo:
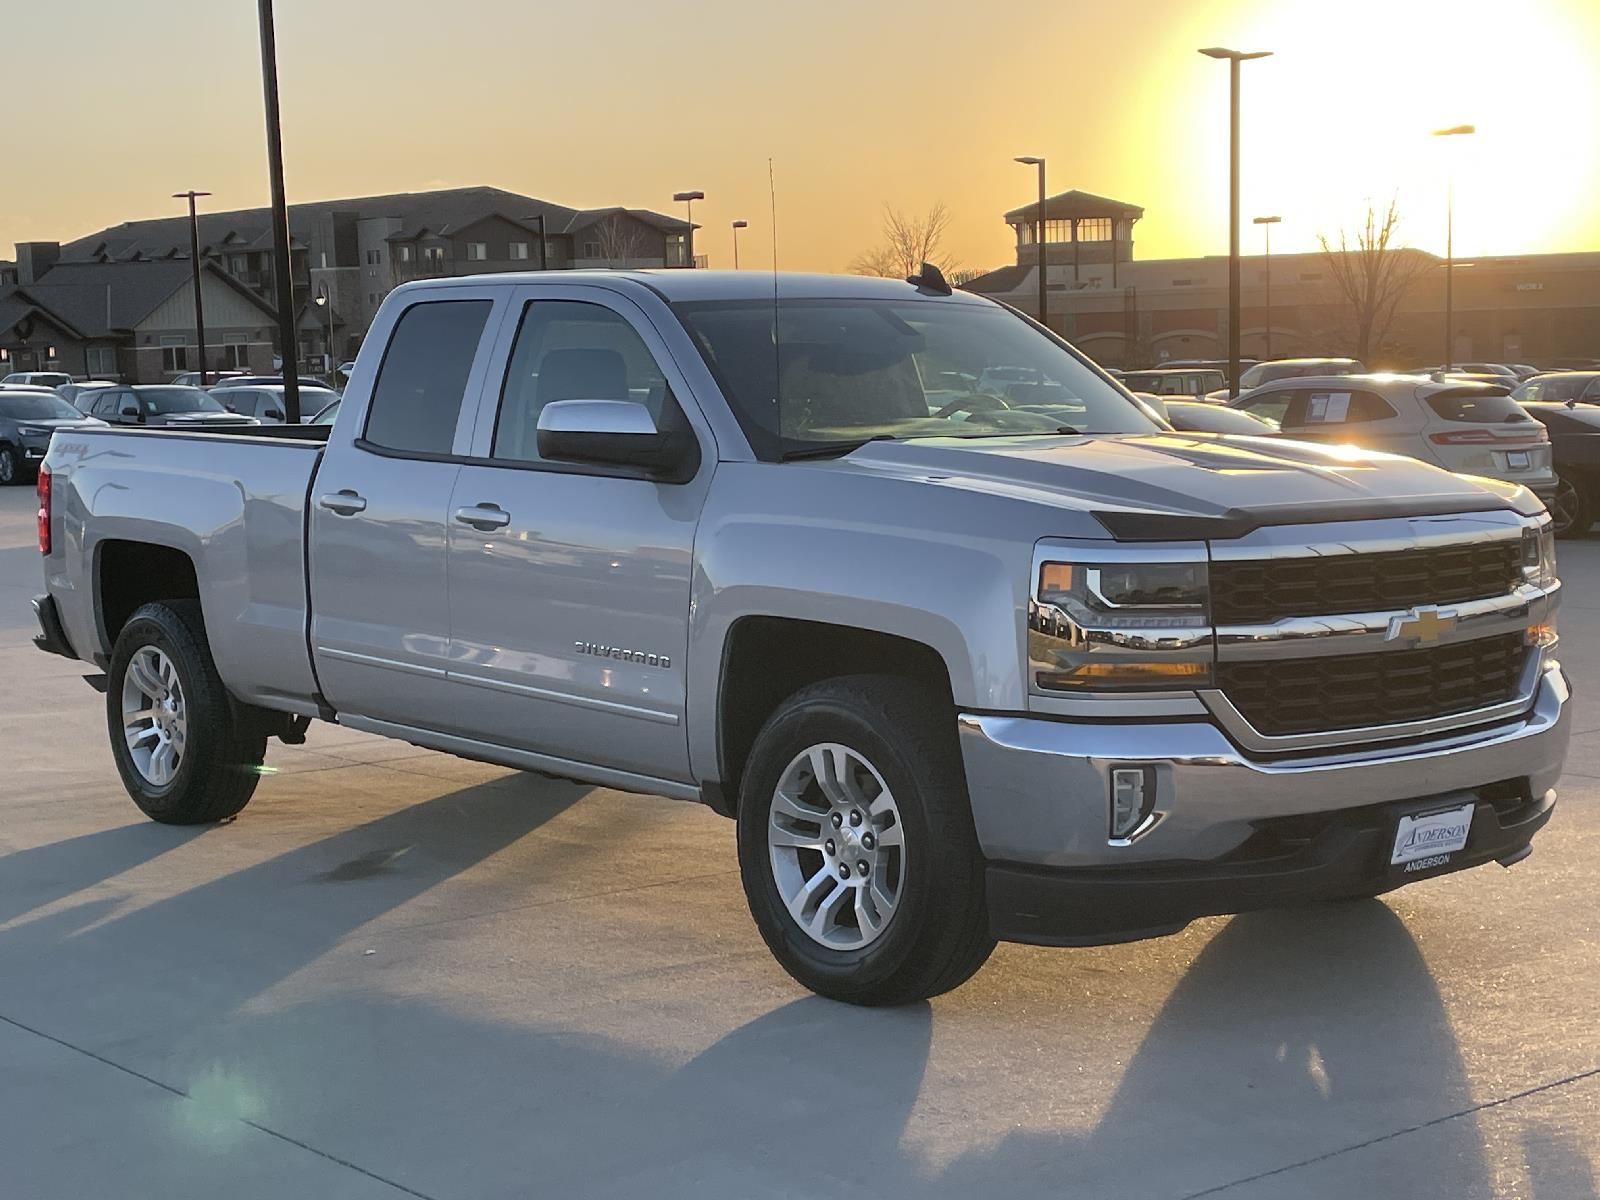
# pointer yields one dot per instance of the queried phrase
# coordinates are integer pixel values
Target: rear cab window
(422, 382)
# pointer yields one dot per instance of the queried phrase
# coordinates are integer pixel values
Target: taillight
(1487, 437)
(42, 488)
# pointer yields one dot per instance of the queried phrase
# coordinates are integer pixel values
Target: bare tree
(619, 240)
(1372, 275)
(908, 242)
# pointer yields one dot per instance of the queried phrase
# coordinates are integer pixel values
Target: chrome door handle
(484, 516)
(346, 503)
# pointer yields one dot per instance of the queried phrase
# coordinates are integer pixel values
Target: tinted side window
(1480, 408)
(1269, 406)
(1344, 408)
(423, 379)
(567, 350)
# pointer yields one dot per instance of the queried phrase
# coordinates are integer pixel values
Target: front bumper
(1230, 832)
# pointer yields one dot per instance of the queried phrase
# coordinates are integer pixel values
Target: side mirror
(618, 433)
(130, 414)
(273, 414)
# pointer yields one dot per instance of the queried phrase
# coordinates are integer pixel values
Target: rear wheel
(187, 754)
(10, 466)
(856, 844)
(1572, 508)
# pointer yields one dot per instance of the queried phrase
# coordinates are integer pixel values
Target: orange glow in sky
(859, 102)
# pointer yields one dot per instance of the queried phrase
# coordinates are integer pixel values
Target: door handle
(346, 503)
(484, 516)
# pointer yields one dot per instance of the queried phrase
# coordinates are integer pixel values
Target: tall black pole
(544, 246)
(1233, 230)
(1449, 269)
(1043, 313)
(194, 258)
(280, 219)
(1267, 230)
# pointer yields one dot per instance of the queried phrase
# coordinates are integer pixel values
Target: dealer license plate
(1517, 460)
(1432, 835)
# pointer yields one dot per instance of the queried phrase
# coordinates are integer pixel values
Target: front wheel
(1572, 508)
(856, 845)
(10, 466)
(187, 754)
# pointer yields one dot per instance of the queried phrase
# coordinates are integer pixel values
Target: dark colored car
(1574, 429)
(27, 419)
(162, 404)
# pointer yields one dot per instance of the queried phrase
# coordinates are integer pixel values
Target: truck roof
(680, 284)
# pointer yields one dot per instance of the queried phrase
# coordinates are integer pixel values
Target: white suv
(1470, 428)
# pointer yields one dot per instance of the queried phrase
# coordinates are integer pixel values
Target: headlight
(1119, 626)
(31, 430)
(1539, 555)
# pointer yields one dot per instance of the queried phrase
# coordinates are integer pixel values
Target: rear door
(569, 584)
(380, 615)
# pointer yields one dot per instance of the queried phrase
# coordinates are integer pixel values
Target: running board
(525, 760)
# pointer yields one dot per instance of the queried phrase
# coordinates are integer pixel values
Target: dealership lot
(399, 973)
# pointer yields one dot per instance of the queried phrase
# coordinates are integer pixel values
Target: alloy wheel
(154, 720)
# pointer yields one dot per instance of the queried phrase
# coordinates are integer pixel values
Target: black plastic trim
(1237, 522)
(52, 638)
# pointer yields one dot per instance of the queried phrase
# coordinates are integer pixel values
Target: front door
(569, 585)
(380, 631)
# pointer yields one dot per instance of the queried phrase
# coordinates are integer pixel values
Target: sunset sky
(860, 103)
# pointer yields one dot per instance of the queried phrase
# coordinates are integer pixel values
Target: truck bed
(234, 503)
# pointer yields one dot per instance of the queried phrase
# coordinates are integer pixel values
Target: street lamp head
(1236, 55)
(1265, 220)
(741, 224)
(1028, 160)
(1455, 129)
(189, 195)
(681, 197)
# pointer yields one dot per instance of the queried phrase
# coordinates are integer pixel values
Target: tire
(892, 738)
(1572, 509)
(217, 745)
(10, 466)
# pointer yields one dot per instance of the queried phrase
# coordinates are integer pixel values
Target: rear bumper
(1229, 831)
(51, 638)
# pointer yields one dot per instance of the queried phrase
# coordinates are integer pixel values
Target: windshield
(177, 400)
(36, 408)
(850, 370)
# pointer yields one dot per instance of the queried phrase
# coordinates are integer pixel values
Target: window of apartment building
(372, 299)
(477, 251)
(235, 355)
(519, 250)
(238, 264)
(433, 257)
(174, 354)
(591, 249)
(101, 360)
(403, 253)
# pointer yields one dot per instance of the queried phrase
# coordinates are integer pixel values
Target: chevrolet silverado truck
(964, 664)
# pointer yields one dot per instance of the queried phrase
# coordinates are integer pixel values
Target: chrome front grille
(1255, 591)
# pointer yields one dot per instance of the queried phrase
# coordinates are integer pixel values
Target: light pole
(1266, 224)
(280, 215)
(1038, 236)
(194, 259)
(544, 242)
(1449, 244)
(1234, 57)
(324, 300)
(687, 199)
(737, 225)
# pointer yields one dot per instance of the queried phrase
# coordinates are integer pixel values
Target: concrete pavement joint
(1398, 1133)
(183, 1095)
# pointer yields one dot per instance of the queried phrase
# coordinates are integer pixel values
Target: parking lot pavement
(399, 973)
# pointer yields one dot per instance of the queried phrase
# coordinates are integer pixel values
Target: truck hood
(1176, 485)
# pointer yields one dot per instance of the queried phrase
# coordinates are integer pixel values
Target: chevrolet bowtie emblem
(1422, 626)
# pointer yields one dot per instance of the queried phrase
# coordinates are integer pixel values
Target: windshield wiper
(832, 449)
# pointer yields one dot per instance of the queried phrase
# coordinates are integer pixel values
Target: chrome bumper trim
(1039, 788)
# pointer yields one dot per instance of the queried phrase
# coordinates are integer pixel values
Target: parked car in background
(162, 404)
(1469, 428)
(1469, 368)
(1170, 381)
(1574, 429)
(1297, 368)
(46, 379)
(27, 419)
(1209, 364)
(212, 379)
(1564, 386)
(81, 394)
(1198, 416)
(326, 416)
(1524, 371)
(244, 381)
(264, 401)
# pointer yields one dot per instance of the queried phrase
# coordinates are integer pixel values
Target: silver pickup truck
(970, 645)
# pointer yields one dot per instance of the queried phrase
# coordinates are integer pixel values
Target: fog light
(1133, 798)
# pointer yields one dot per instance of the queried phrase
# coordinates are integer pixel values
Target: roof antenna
(777, 351)
(930, 281)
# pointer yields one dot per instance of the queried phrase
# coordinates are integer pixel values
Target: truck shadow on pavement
(1292, 1048)
(41, 875)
